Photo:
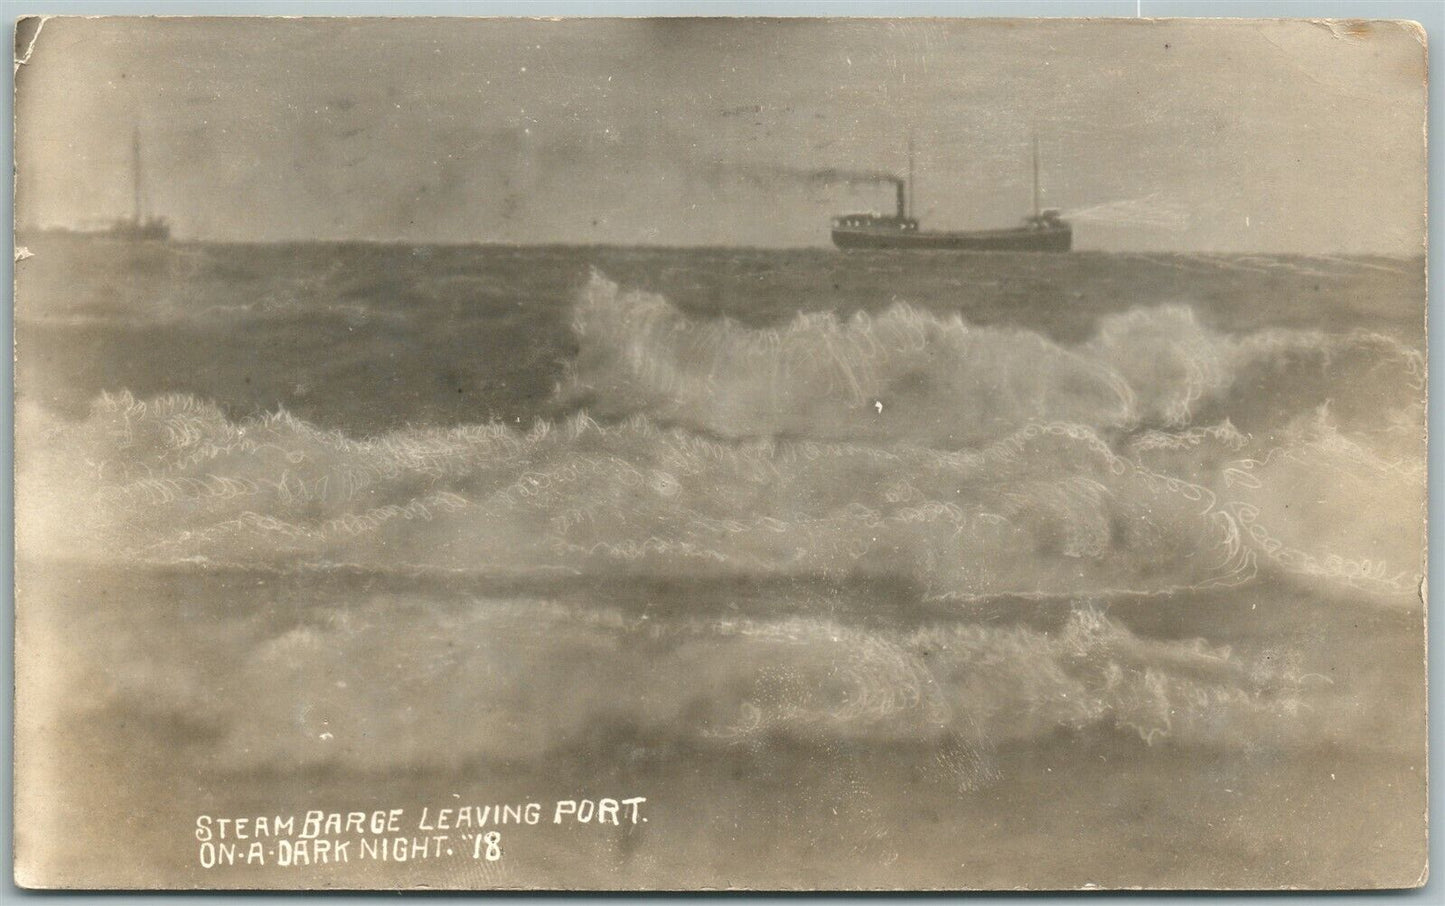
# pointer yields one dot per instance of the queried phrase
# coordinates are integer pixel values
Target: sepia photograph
(720, 454)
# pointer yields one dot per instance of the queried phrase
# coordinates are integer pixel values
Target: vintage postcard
(720, 454)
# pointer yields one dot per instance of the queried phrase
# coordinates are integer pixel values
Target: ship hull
(111, 234)
(150, 229)
(1056, 239)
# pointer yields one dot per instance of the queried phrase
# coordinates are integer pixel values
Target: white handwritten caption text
(319, 837)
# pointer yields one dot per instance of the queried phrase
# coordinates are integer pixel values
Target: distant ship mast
(137, 179)
(912, 211)
(1036, 176)
(141, 224)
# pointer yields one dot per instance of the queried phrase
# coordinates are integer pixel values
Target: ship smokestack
(902, 188)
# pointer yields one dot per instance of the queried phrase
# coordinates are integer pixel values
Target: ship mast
(911, 210)
(137, 187)
(1036, 176)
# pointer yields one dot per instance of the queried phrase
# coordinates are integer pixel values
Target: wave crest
(1047, 510)
(958, 690)
(904, 374)
(914, 376)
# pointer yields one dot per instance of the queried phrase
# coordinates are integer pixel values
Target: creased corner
(23, 58)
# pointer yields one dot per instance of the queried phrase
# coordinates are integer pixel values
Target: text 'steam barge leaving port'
(1045, 231)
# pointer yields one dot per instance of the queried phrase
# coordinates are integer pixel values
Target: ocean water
(881, 570)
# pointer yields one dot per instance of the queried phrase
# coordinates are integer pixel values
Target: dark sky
(1196, 136)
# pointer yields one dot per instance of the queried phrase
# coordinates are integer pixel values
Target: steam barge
(1044, 231)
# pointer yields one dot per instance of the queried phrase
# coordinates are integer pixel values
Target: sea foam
(913, 375)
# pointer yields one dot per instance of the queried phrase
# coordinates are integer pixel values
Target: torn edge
(30, 48)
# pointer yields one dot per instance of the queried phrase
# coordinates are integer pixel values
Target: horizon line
(70, 233)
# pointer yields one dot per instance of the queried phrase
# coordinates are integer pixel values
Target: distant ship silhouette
(1044, 231)
(142, 224)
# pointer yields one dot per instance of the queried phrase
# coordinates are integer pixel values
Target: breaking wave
(911, 375)
(481, 666)
(902, 374)
(1049, 510)
(971, 461)
(979, 467)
